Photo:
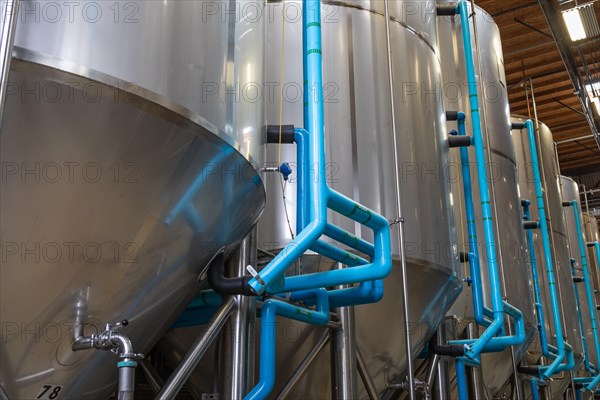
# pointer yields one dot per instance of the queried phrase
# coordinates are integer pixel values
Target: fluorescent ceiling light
(574, 24)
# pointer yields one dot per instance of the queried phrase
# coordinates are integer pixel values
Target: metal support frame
(197, 351)
(304, 366)
(343, 357)
(365, 377)
(238, 333)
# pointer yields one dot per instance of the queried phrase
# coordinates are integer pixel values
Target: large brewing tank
(570, 192)
(592, 235)
(130, 147)
(360, 157)
(549, 172)
(502, 178)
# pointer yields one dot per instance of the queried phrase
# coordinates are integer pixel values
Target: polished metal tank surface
(121, 177)
(360, 156)
(560, 252)
(592, 235)
(502, 178)
(570, 192)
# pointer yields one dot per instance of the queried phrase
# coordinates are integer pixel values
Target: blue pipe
(586, 278)
(461, 379)
(271, 308)
(367, 292)
(535, 392)
(561, 345)
(478, 306)
(303, 212)
(272, 278)
(498, 305)
(536, 286)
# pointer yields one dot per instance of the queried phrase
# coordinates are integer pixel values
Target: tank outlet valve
(118, 344)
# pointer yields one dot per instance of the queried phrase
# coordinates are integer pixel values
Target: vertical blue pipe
(484, 193)
(461, 380)
(536, 286)
(535, 392)
(475, 269)
(560, 341)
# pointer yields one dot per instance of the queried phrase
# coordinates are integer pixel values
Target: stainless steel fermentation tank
(550, 176)
(592, 235)
(130, 147)
(570, 192)
(511, 246)
(360, 154)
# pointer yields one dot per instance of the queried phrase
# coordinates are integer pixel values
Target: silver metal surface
(343, 348)
(238, 339)
(360, 155)
(8, 24)
(502, 178)
(196, 351)
(365, 376)
(152, 377)
(400, 225)
(108, 126)
(304, 366)
(570, 192)
(558, 237)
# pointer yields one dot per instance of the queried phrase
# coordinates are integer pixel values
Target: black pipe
(453, 350)
(286, 131)
(518, 125)
(578, 279)
(227, 286)
(528, 370)
(451, 115)
(566, 204)
(530, 225)
(446, 10)
(459, 141)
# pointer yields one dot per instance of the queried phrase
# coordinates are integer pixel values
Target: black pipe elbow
(446, 10)
(454, 350)
(227, 286)
(528, 370)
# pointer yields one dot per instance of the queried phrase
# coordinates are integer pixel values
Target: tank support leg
(238, 333)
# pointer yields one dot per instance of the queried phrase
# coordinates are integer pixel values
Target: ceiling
(531, 52)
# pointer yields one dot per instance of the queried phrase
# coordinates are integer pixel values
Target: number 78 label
(50, 392)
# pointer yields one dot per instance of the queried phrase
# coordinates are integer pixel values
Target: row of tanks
(134, 151)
